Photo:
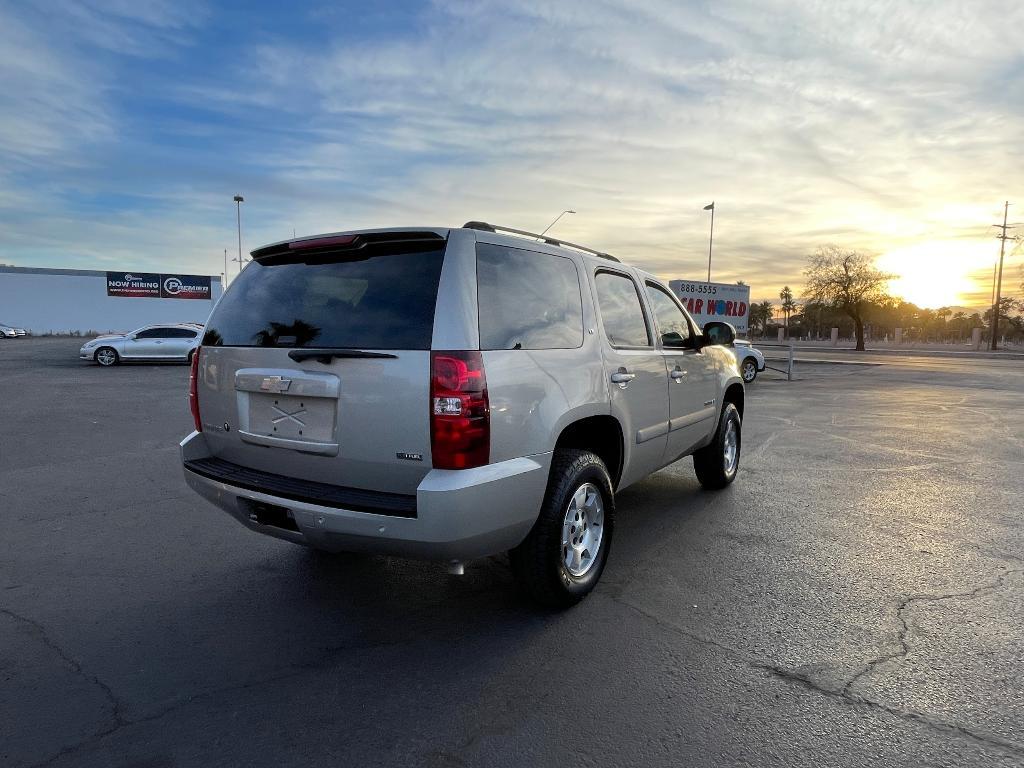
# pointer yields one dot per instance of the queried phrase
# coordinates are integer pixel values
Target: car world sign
(142, 285)
(715, 301)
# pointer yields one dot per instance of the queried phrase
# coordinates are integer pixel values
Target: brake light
(321, 242)
(460, 417)
(193, 389)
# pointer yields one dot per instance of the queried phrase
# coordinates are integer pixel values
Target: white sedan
(749, 360)
(174, 341)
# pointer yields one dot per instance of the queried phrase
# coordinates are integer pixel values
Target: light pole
(549, 226)
(711, 238)
(224, 284)
(238, 210)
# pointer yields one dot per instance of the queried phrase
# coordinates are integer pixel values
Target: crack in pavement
(904, 630)
(845, 693)
(116, 709)
(903, 714)
(292, 670)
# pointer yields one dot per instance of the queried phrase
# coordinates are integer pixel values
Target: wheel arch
(601, 435)
(734, 393)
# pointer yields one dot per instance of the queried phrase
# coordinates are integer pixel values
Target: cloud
(875, 125)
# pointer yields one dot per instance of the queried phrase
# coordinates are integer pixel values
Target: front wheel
(106, 356)
(749, 370)
(561, 559)
(717, 463)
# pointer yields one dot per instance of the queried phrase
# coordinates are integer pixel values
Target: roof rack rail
(483, 226)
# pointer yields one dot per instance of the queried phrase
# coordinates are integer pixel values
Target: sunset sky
(127, 126)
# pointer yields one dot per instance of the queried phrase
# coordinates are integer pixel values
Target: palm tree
(788, 305)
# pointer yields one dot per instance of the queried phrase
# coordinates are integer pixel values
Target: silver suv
(454, 393)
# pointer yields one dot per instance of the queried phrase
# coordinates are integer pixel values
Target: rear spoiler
(302, 248)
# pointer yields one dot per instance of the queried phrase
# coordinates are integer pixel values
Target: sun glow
(938, 273)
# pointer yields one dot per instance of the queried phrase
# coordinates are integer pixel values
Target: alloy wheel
(583, 530)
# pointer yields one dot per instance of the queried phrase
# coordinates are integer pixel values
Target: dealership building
(82, 300)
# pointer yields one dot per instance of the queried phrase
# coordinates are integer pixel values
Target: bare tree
(845, 280)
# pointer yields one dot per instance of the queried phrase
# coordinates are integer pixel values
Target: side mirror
(717, 333)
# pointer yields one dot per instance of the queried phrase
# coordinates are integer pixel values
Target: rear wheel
(562, 558)
(749, 370)
(106, 356)
(717, 464)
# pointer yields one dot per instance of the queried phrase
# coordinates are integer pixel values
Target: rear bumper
(460, 514)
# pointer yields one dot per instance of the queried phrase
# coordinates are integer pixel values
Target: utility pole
(225, 283)
(1003, 237)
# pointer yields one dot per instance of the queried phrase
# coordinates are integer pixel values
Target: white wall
(59, 301)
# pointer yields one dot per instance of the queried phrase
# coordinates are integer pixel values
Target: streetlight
(238, 209)
(711, 238)
(549, 226)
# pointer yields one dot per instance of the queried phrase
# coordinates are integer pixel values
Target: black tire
(710, 462)
(748, 368)
(113, 361)
(538, 564)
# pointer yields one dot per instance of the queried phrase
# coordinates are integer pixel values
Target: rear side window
(379, 299)
(527, 300)
(621, 311)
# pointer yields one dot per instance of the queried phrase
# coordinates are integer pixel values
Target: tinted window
(671, 322)
(527, 300)
(375, 300)
(152, 333)
(179, 333)
(621, 311)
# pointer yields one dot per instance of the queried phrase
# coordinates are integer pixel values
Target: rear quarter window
(384, 299)
(527, 299)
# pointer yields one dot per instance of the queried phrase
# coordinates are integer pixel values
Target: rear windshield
(384, 301)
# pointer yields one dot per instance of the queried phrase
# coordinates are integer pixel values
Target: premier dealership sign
(715, 301)
(148, 285)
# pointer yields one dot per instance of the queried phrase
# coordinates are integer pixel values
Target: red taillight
(460, 418)
(321, 242)
(193, 390)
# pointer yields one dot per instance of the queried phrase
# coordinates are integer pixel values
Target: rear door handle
(622, 377)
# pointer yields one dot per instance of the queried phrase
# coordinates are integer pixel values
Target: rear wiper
(326, 355)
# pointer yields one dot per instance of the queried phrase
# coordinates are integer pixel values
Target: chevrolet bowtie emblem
(275, 384)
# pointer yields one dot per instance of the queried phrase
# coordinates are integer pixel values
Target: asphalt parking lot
(855, 598)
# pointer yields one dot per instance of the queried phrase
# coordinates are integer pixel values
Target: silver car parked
(11, 332)
(452, 394)
(174, 341)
